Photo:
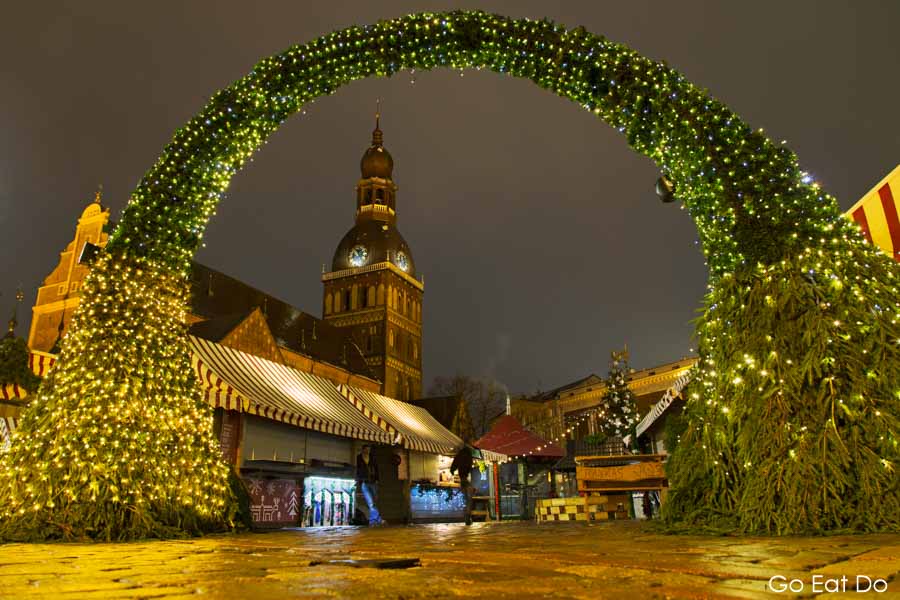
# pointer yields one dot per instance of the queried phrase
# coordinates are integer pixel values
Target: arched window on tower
(391, 338)
(327, 304)
(337, 301)
(380, 294)
(370, 296)
(346, 299)
(379, 196)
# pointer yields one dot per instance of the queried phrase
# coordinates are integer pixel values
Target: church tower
(60, 293)
(372, 289)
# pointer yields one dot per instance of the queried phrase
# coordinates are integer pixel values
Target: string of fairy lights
(798, 341)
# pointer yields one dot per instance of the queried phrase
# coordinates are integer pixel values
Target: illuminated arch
(789, 277)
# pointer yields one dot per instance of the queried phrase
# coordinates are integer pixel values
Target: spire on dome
(377, 161)
(377, 135)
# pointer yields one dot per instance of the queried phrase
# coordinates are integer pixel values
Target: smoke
(502, 345)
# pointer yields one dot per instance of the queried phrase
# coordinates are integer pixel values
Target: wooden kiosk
(605, 484)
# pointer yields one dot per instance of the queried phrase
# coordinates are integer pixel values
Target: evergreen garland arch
(793, 412)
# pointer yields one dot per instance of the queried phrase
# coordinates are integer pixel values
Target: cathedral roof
(216, 328)
(380, 241)
(223, 302)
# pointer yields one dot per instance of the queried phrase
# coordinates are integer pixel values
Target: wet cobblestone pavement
(507, 560)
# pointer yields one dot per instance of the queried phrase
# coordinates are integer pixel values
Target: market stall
(527, 477)
(293, 435)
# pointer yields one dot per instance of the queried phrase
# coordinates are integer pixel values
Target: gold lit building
(60, 292)
(576, 405)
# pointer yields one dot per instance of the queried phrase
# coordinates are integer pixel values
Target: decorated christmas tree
(117, 444)
(619, 407)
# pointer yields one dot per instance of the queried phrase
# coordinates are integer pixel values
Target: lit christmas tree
(118, 445)
(619, 407)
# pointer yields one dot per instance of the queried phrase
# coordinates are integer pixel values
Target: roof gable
(253, 336)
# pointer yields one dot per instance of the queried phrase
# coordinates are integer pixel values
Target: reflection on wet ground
(506, 560)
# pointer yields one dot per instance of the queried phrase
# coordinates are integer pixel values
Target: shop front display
(274, 502)
(328, 501)
(431, 502)
(439, 497)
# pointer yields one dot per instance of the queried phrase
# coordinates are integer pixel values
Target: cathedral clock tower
(372, 290)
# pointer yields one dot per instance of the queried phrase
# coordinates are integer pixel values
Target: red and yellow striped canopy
(878, 214)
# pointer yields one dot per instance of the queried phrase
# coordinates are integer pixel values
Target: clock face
(358, 256)
(402, 261)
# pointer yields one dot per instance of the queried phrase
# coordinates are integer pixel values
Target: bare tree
(489, 405)
(484, 398)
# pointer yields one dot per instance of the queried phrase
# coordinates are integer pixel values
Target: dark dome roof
(377, 162)
(379, 239)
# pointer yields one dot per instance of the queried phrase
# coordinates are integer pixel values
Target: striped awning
(878, 214)
(660, 407)
(7, 426)
(40, 363)
(12, 391)
(240, 381)
(417, 429)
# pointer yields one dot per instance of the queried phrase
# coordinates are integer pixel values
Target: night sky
(541, 240)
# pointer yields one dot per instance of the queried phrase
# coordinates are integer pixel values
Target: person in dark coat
(647, 506)
(462, 463)
(367, 480)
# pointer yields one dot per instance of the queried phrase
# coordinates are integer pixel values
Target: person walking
(462, 463)
(367, 480)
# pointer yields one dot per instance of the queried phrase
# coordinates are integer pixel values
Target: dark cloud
(531, 220)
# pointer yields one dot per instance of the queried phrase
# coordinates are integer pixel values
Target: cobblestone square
(506, 560)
